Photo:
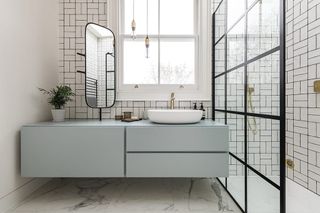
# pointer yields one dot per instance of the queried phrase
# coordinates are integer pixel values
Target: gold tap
(172, 101)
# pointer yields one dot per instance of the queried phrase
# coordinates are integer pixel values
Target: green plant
(59, 96)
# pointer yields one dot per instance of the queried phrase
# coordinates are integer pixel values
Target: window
(174, 63)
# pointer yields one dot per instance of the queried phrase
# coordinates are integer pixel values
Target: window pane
(137, 68)
(250, 2)
(219, 57)
(220, 117)
(177, 62)
(262, 196)
(141, 16)
(235, 90)
(236, 9)
(236, 134)
(236, 41)
(263, 27)
(264, 85)
(176, 17)
(220, 21)
(263, 147)
(236, 181)
(220, 92)
(223, 181)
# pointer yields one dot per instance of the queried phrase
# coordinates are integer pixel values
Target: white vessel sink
(175, 116)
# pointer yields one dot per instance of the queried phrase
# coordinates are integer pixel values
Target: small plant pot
(58, 115)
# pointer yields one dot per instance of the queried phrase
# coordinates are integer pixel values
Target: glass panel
(236, 9)
(223, 181)
(177, 61)
(236, 40)
(220, 92)
(137, 68)
(264, 85)
(236, 181)
(220, 21)
(250, 2)
(263, 27)
(264, 146)
(220, 117)
(236, 135)
(172, 22)
(235, 90)
(220, 62)
(262, 196)
(141, 16)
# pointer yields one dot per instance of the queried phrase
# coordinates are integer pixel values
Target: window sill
(179, 96)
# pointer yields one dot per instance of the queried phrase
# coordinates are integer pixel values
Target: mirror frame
(115, 67)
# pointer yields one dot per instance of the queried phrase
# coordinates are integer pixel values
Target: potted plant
(58, 97)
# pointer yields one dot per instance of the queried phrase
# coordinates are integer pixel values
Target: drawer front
(177, 165)
(72, 152)
(171, 139)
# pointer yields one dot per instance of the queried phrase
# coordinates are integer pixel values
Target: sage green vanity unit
(109, 148)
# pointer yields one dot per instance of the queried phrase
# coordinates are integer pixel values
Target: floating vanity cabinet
(118, 149)
(72, 151)
(177, 151)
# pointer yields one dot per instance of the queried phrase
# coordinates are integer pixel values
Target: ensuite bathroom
(148, 106)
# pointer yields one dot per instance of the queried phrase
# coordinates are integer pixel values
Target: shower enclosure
(249, 96)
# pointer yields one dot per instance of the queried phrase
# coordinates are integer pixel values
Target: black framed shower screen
(249, 95)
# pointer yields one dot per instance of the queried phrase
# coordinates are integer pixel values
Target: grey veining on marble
(113, 123)
(129, 195)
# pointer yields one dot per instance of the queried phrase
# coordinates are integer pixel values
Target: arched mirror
(100, 66)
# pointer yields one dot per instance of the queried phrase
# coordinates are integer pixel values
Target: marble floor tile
(129, 195)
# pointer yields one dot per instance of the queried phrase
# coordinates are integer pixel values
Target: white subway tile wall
(73, 17)
(303, 104)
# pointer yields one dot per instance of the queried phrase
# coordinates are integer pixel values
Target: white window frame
(201, 90)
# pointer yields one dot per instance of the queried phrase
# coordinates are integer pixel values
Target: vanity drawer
(177, 138)
(177, 165)
(72, 152)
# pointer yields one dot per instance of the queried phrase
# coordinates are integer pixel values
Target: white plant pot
(58, 115)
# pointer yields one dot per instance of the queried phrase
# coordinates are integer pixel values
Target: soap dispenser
(203, 112)
(195, 107)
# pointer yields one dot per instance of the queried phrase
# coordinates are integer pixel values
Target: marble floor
(129, 195)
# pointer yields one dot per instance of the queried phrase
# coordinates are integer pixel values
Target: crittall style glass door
(249, 96)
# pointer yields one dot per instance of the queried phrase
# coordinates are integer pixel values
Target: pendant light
(147, 40)
(133, 23)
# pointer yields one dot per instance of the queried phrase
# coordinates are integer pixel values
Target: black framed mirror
(100, 63)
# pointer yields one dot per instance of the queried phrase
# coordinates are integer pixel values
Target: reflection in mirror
(100, 67)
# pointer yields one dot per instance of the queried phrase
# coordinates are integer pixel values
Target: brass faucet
(172, 101)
